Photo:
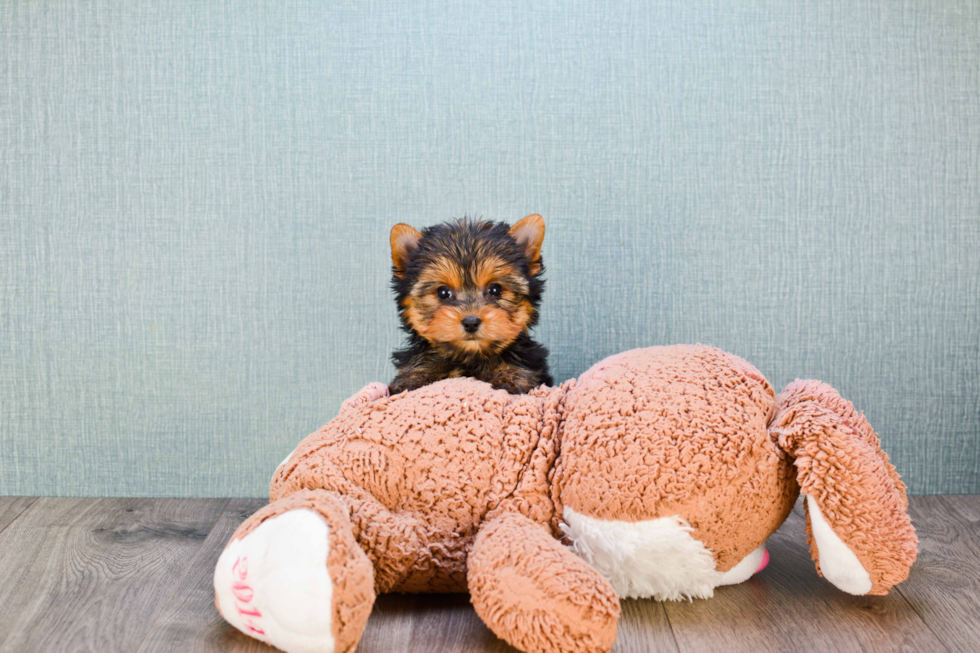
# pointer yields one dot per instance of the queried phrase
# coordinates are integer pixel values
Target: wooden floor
(135, 575)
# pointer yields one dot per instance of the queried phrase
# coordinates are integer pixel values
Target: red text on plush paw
(244, 594)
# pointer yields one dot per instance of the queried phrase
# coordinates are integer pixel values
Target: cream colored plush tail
(859, 531)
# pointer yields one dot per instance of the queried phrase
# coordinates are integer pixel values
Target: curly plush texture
(683, 450)
(834, 446)
(698, 429)
(516, 593)
(350, 569)
(420, 471)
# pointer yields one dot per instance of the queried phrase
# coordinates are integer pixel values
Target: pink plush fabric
(456, 486)
(677, 431)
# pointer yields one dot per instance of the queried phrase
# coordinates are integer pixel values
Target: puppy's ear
(529, 234)
(404, 240)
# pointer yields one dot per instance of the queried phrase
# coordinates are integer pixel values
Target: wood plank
(92, 574)
(12, 507)
(399, 623)
(189, 621)
(390, 627)
(967, 505)
(98, 574)
(944, 586)
(448, 623)
(788, 607)
(643, 627)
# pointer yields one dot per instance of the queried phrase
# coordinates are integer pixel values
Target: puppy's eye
(444, 293)
(494, 290)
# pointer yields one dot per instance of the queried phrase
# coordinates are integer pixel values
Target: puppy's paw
(367, 394)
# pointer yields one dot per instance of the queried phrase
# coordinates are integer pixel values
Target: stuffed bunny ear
(859, 531)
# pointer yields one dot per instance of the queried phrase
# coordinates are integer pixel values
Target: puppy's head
(468, 287)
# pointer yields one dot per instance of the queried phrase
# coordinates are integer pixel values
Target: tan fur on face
(500, 328)
(445, 325)
(502, 320)
(497, 329)
(422, 307)
(495, 270)
(491, 269)
(418, 311)
(441, 272)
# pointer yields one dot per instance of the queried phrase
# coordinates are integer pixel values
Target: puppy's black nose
(471, 323)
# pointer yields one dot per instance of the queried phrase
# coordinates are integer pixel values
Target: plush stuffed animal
(658, 473)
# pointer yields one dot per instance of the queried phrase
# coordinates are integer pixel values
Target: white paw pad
(838, 564)
(274, 585)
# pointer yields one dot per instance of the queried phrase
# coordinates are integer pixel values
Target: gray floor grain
(447, 623)
(788, 607)
(189, 621)
(644, 627)
(135, 574)
(91, 574)
(389, 630)
(945, 588)
(11, 507)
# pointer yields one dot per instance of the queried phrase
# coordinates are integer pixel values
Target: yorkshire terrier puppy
(468, 294)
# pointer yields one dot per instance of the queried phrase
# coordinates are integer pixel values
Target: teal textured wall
(195, 199)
